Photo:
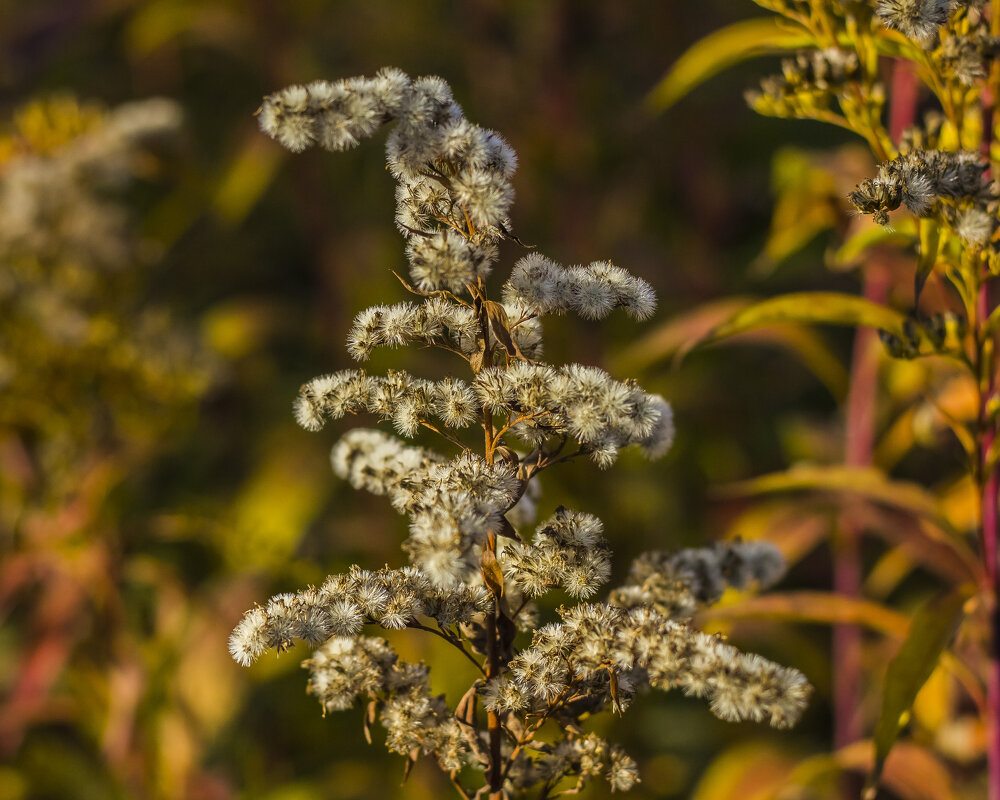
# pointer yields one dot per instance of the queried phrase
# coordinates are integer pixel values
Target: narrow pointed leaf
(852, 252)
(492, 574)
(930, 243)
(825, 608)
(931, 631)
(867, 482)
(676, 334)
(824, 308)
(722, 49)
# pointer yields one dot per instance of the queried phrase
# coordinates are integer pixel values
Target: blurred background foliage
(153, 483)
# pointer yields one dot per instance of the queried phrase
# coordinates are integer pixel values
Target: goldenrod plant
(474, 567)
(918, 81)
(96, 375)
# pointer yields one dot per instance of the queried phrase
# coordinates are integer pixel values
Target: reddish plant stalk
(989, 486)
(860, 437)
(987, 429)
(859, 444)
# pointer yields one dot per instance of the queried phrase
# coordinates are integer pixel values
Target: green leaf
(852, 252)
(675, 336)
(722, 49)
(804, 206)
(826, 308)
(930, 245)
(246, 179)
(992, 322)
(931, 631)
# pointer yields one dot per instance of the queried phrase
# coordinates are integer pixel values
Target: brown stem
(529, 736)
(495, 775)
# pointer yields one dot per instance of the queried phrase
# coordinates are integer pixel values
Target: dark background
(267, 256)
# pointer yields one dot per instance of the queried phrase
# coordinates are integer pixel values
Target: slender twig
(445, 434)
(522, 418)
(461, 789)
(452, 641)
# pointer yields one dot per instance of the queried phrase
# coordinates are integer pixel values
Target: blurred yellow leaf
(820, 308)
(960, 503)
(671, 337)
(806, 203)
(158, 23)
(889, 571)
(675, 338)
(932, 708)
(868, 235)
(818, 607)
(744, 772)
(930, 632)
(927, 543)
(912, 772)
(246, 178)
(867, 482)
(785, 525)
(722, 49)
(930, 245)
(274, 509)
(239, 328)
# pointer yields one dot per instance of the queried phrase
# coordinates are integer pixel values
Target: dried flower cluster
(920, 179)
(473, 576)
(927, 172)
(678, 584)
(917, 19)
(809, 82)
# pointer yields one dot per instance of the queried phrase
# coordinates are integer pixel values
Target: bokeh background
(153, 482)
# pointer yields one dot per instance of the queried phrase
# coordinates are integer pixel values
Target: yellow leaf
(932, 629)
(806, 203)
(246, 178)
(675, 336)
(824, 608)
(930, 245)
(278, 503)
(722, 49)
(823, 308)
(786, 526)
(912, 772)
(868, 235)
(932, 708)
(866, 482)
(744, 772)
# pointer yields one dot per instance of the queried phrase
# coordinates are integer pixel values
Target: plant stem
(495, 776)
(859, 445)
(449, 640)
(860, 435)
(988, 486)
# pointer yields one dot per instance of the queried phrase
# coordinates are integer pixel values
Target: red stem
(903, 100)
(989, 484)
(860, 438)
